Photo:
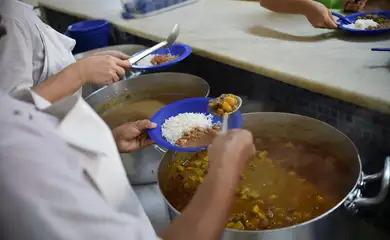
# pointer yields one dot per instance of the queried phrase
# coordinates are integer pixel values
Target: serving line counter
(283, 47)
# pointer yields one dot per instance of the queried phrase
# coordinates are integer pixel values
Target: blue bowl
(353, 18)
(181, 50)
(90, 34)
(194, 105)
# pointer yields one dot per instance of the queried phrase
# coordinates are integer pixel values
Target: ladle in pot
(167, 43)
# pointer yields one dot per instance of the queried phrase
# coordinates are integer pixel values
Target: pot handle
(160, 149)
(358, 200)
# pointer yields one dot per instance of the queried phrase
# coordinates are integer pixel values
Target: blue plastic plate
(353, 18)
(380, 49)
(180, 50)
(194, 105)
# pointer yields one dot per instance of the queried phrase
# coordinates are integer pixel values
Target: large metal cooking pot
(142, 165)
(338, 222)
(129, 49)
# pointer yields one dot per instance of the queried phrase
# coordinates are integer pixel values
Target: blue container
(194, 105)
(90, 34)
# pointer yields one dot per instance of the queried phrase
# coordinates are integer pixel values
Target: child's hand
(319, 16)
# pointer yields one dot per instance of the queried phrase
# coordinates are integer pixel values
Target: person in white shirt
(61, 176)
(33, 54)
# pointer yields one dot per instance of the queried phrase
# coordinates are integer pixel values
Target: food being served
(286, 183)
(226, 103)
(370, 22)
(189, 129)
(382, 22)
(198, 137)
(160, 59)
(362, 24)
(157, 59)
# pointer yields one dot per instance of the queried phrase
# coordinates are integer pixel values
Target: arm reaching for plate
(316, 13)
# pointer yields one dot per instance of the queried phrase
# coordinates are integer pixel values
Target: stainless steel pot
(338, 222)
(142, 165)
(129, 49)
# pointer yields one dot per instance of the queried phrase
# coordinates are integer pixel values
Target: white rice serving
(362, 24)
(174, 127)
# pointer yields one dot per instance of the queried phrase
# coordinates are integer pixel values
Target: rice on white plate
(174, 127)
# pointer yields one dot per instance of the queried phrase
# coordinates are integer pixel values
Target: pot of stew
(304, 183)
(140, 98)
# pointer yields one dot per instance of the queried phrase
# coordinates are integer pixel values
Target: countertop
(281, 46)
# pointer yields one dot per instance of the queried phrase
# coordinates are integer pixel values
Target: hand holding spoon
(223, 105)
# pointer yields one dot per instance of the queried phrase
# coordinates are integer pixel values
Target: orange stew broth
(286, 183)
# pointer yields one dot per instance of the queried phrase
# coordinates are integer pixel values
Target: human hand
(113, 53)
(319, 16)
(102, 70)
(131, 136)
(231, 152)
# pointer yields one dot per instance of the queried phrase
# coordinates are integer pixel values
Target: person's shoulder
(17, 9)
(22, 123)
(16, 14)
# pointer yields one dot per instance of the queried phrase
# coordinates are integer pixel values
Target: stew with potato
(282, 185)
(226, 103)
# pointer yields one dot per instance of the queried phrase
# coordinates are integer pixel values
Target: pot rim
(145, 75)
(341, 202)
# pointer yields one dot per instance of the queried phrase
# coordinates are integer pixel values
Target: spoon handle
(138, 57)
(224, 123)
(342, 17)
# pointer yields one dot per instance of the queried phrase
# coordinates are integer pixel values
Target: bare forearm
(206, 215)
(286, 6)
(64, 83)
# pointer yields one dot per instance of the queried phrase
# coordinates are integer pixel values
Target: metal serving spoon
(167, 43)
(225, 117)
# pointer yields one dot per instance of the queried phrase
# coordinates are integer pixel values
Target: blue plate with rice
(180, 51)
(355, 27)
(193, 113)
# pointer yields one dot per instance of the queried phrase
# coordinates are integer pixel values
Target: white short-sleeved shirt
(31, 52)
(62, 178)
